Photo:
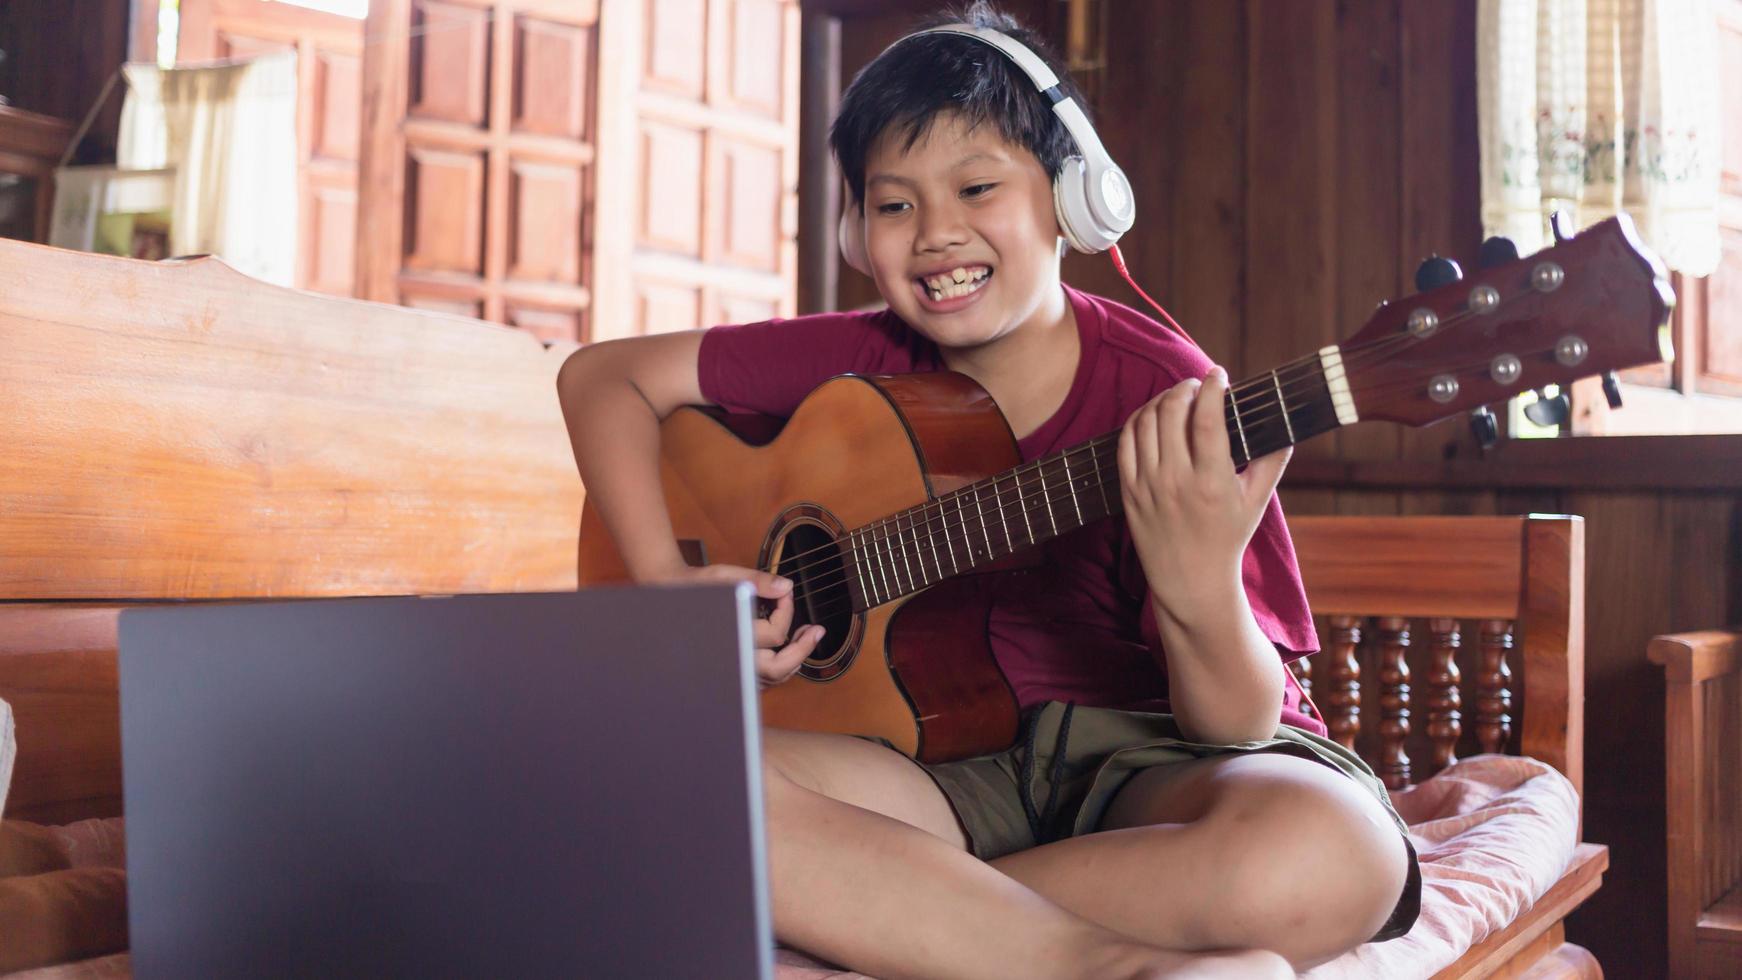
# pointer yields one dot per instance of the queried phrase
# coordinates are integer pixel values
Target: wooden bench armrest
(1703, 781)
(1692, 658)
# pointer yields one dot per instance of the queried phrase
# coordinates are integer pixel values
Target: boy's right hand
(778, 656)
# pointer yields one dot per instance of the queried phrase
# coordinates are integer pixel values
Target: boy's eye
(976, 190)
(893, 207)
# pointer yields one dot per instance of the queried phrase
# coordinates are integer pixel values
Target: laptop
(524, 785)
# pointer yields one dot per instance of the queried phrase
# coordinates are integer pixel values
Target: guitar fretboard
(1031, 504)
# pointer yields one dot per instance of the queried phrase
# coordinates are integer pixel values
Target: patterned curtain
(1596, 106)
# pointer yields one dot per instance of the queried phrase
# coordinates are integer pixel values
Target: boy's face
(960, 232)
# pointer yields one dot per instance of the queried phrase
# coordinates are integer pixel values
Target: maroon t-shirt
(1079, 626)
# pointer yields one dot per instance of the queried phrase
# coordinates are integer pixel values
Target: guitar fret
(858, 567)
(1239, 425)
(984, 530)
(1046, 498)
(904, 563)
(882, 553)
(944, 519)
(1071, 482)
(931, 538)
(1024, 504)
(1100, 484)
(918, 553)
(1283, 405)
(1003, 521)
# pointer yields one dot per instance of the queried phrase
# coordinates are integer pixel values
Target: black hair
(906, 87)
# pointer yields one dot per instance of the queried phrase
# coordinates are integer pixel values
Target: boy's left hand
(1190, 513)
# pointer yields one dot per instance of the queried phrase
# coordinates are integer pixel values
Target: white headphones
(1090, 193)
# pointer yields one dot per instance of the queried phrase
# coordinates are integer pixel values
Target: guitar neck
(1021, 508)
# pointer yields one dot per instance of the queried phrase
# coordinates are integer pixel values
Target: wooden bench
(1703, 775)
(176, 431)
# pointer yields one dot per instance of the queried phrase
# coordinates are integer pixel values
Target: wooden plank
(1707, 464)
(1582, 877)
(1291, 171)
(1553, 640)
(381, 150)
(181, 431)
(1367, 217)
(1464, 567)
(1698, 656)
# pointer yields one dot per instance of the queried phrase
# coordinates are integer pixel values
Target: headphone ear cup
(1076, 221)
(850, 238)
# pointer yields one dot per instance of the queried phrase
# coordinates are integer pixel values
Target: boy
(1157, 818)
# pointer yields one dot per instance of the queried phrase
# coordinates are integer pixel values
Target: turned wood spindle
(1445, 722)
(1303, 673)
(1343, 681)
(1393, 701)
(1494, 687)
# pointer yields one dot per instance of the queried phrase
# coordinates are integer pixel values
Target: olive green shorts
(1070, 762)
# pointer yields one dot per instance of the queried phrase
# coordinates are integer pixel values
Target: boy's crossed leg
(871, 869)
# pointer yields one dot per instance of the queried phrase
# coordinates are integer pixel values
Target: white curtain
(229, 132)
(1596, 106)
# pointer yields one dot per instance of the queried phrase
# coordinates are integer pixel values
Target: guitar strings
(897, 547)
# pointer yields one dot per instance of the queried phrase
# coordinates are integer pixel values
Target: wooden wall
(59, 56)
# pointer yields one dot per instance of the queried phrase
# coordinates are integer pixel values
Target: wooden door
(478, 148)
(698, 164)
(329, 51)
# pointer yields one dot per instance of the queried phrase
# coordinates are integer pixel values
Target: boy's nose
(940, 229)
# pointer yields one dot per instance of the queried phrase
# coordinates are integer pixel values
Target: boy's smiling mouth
(954, 283)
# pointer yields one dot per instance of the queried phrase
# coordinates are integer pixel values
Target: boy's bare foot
(1133, 962)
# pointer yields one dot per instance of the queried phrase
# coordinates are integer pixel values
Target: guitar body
(917, 671)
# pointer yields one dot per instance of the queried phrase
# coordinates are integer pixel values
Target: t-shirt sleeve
(769, 367)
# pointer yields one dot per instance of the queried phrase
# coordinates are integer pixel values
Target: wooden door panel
(745, 76)
(671, 188)
(749, 203)
(552, 78)
(664, 307)
(329, 237)
(450, 47)
(1721, 354)
(339, 96)
(545, 222)
(444, 205)
(676, 47)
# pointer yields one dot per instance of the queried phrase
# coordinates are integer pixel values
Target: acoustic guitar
(887, 500)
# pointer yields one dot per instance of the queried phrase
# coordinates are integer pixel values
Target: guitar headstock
(1595, 302)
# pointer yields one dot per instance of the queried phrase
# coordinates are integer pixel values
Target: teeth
(959, 278)
(953, 289)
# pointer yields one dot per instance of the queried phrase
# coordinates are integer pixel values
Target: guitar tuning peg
(1497, 250)
(1548, 411)
(1484, 427)
(1561, 225)
(1612, 388)
(1435, 272)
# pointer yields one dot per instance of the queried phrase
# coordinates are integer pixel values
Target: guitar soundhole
(809, 554)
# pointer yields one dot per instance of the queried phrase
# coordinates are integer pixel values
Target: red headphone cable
(1119, 263)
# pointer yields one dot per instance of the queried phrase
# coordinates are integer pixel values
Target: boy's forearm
(615, 436)
(1224, 677)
